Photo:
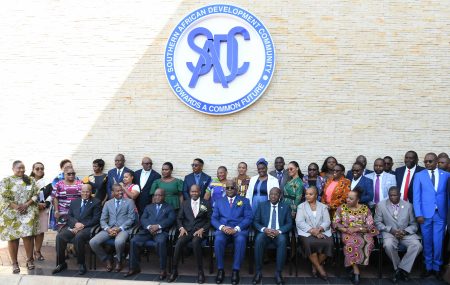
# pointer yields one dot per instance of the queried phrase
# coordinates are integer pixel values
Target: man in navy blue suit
(232, 216)
(115, 175)
(196, 177)
(144, 178)
(273, 222)
(359, 180)
(405, 175)
(363, 160)
(430, 207)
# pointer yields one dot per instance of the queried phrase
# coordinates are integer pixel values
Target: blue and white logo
(219, 59)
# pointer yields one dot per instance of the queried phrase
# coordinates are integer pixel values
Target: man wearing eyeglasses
(115, 175)
(363, 160)
(144, 178)
(363, 182)
(430, 207)
(196, 177)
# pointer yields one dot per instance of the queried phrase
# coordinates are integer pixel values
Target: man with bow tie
(193, 223)
(232, 217)
(84, 213)
(273, 222)
(156, 222)
(395, 219)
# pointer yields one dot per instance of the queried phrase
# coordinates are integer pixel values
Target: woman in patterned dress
(327, 168)
(19, 214)
(355, 222)
(336, 189)
(242, 180)
(216, 189)
(293, 190)
(66, 191)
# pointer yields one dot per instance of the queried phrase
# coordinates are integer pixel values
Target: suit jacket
(400, 173)
(426, 198)
(385, 221)
(271, 182)
(112, 175)
(349, 174)
(165, 217)
(190, 223)
(387, 181)
(144, 197)
(90, 216)
(305, 219)
(284, 179)
(240, 214)
(264, 211)
(366, 184)
(189, 180)
(124, 218)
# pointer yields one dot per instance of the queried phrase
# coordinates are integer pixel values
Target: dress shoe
(404, 275)
(278, 278)
(257, 278)
(173, 276)
(82, 269)
(201, 277)
(162, 275)
(396, 277)
(426, 273)
(438, 275)
(220, 276)
(59, 268)
(235, 277)
(132, 272)
(118, 267)
(109, 265)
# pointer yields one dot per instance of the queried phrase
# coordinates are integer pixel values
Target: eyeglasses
(290, 169)
(229, 188)
(428, 161)
(70, 173)
(312, 169)
(39, 168)
(195, 165)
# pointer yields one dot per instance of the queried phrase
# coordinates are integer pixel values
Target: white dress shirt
(436, 178)
(144, 177)
(355, 182)
(402, 189)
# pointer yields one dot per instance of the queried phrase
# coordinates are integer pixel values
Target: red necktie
(405, 191)
(231, 202)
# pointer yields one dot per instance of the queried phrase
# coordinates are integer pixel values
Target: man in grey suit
(118, 217)
(395, 219)
(280, 173)
(382, 181)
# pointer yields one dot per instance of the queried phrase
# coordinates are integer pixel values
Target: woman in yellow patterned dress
(19, 214)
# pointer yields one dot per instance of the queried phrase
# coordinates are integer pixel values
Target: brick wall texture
(85, 80)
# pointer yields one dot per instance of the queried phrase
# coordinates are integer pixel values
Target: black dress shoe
(257, 278)
(201, 277)
(426, 273)
(438, 275)
(82, 269)
(235, 277)
(404, 275)
(220, 276)
(132, 272)
(173, 276)
(396, 277)
(162, 275)
(59, 268)
(279, 279)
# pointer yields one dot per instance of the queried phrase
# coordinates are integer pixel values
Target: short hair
(16, 162)
(222, 167)
(313, 188)
(199, 160)
(359, 163)
(64, 161)
(388, 157)
(32, 174)
(100, 162)
(280, 157)
(378, 159)
(392, 188)
(169, 164)
(115, 185)
(243, 162)
(443, 154)
(358, 190)
(416, 157)
(324, 165)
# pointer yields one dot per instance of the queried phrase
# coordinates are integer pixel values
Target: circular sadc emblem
(219, 59)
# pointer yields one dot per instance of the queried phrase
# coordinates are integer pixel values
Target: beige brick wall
(85, 79)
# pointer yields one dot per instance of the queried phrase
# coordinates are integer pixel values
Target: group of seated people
(357, 207)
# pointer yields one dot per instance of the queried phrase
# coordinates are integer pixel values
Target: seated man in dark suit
(273, 222)
(196, 177)
(84, 213)
(232, 216)
(359, 180)
(156, 222)
(117, 220)
(193, 222)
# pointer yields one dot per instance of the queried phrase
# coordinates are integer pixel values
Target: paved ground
(188, 273)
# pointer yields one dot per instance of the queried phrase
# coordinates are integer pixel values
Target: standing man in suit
(388, 164)
(280, 173)
(144, 178)
(232, 216)
(196, 177)
(84, 213)
(117, 219)
(193, 223)
(430, 207)
(156, 222)
(363, 160)
(382, 181)
(359, 180)
(395, 220)
(115, 175)
(273, 222)
(405, 175)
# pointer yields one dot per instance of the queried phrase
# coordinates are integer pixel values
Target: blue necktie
(433, 179)
(117, 205)
(197, 179)
(273, 223)
(83, 206)
(158, 207)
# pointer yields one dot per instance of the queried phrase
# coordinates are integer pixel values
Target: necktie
(195, 208)
(273, 223)
(377, 189)
(83, 205)
(197, 179)
(158, 207)
(405, 191)
(118, 174)
(117, 205)
(279, 176)
(231, 202)
(433, 178)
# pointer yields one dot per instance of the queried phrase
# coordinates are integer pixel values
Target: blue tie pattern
(273, 223)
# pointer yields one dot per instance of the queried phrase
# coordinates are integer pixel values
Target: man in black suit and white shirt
(84, 213)
(144, 178)
(405, 175)
(193, 222)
